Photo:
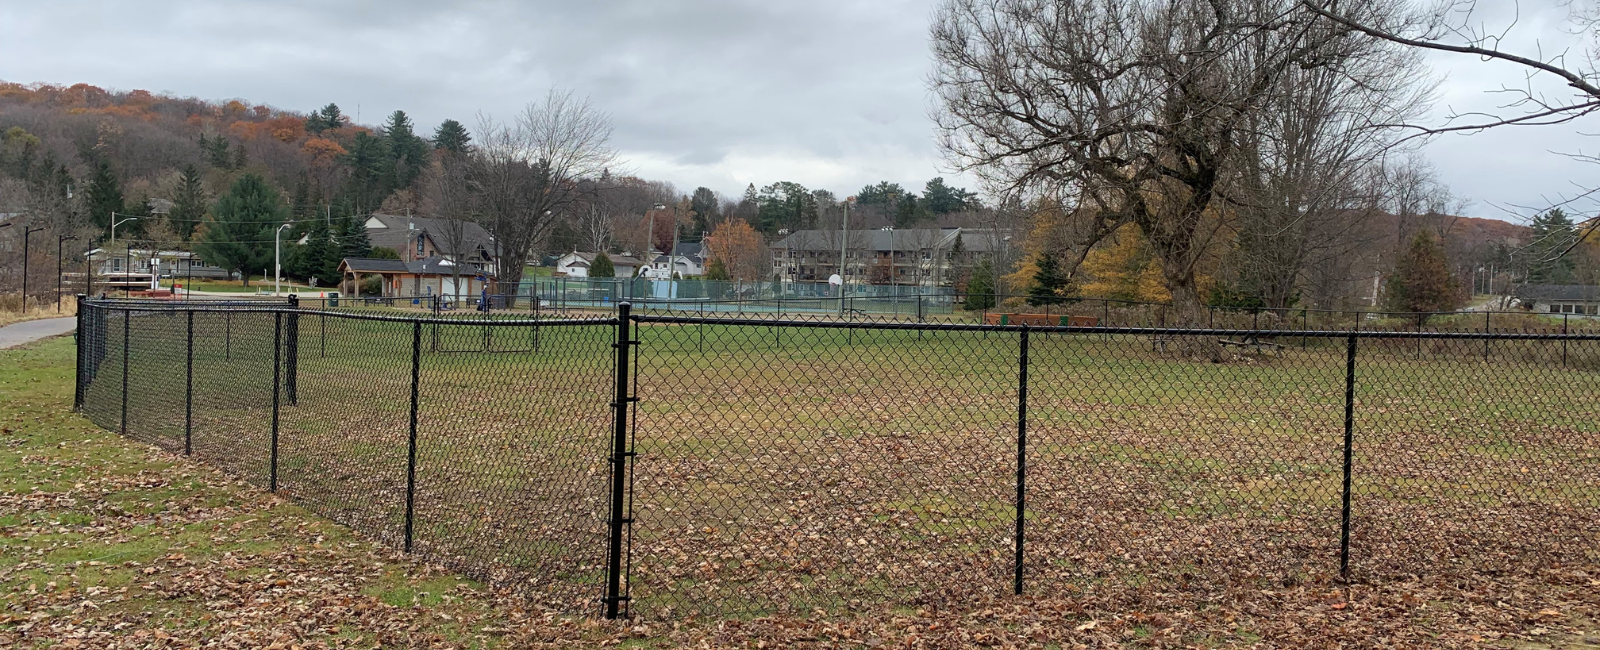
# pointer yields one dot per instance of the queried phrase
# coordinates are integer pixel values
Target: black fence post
(1022, 452)
(411, 450)
(188, 388)
(1563, 341)
(82, 339)
(619, 460)
(277, 383)
(1486, 330)
(291, 379)
(126, 317)
(227, 336)
(1349, 444)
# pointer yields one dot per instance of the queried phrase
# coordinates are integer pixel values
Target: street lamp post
(127, 261)
(60, 239)
(277, 257)
(844, 245)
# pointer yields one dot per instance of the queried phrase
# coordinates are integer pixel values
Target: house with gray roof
(1580, 299)
(419, 238)
(424, 278)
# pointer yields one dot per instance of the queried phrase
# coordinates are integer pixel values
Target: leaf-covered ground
(108, 543)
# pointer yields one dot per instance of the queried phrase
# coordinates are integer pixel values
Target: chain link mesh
(798, 463)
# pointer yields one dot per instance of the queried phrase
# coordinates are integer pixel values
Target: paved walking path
(29, 331)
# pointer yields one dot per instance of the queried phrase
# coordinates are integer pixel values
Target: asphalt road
(29, 331)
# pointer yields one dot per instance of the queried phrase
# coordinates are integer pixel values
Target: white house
(576, 265)
(686, 261)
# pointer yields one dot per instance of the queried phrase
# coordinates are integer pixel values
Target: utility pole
(60, 239)
(26, 235)
(277, 257)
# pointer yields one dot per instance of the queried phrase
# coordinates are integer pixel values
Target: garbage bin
(333, 299)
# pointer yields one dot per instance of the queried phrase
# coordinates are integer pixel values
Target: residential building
(136, 267)
(433, 276)
(577, 265)
(911, 256)
(1579, 299)
(686, 261)
(421, 238)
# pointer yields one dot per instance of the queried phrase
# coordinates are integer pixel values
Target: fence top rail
(134, 306)
(1149, 331)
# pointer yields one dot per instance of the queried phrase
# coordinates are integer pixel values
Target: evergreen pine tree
(602, 267)
(351, 233)
(704, 204)
(240, 159)
(408, 154)
(326, 118)
(103, 196)
(371, 171)
(452, 136)
(188, 203)
(1421, 281)
(1050, 286)
(318, 258)
(980, 288)
(302, 198)
(216, 152)
(1553, 234)
(239, 234)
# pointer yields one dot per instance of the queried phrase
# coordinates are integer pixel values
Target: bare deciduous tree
(1455, 26)
(528, 173)
(447, 197)
(1131, 111)
(1310, 166)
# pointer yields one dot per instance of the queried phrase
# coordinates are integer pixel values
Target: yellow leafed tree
(1124, 268)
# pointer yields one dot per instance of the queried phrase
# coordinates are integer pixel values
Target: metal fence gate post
(1022, 452)
(411, 449)
(82, 338)
(126, 317)
(619, 459)
(188, 388)
(277, 383)
(1349, 440)
(291, 379)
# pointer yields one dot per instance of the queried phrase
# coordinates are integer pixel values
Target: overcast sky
(721, 93)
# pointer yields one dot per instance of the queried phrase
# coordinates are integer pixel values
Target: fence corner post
(619, 459)
(411, 447)
(1022, 454)
(1349, 440)
(81, 339)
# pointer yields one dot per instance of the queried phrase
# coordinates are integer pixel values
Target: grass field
(785, 470)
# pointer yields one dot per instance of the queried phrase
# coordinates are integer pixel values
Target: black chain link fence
(666, 466)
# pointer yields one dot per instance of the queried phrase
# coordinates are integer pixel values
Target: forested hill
(145, 140)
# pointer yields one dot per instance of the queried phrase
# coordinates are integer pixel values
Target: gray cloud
(829, 93)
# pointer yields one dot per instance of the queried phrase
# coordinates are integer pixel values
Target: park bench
(1253, 344)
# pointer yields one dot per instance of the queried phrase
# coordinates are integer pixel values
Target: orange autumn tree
(740, 249)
